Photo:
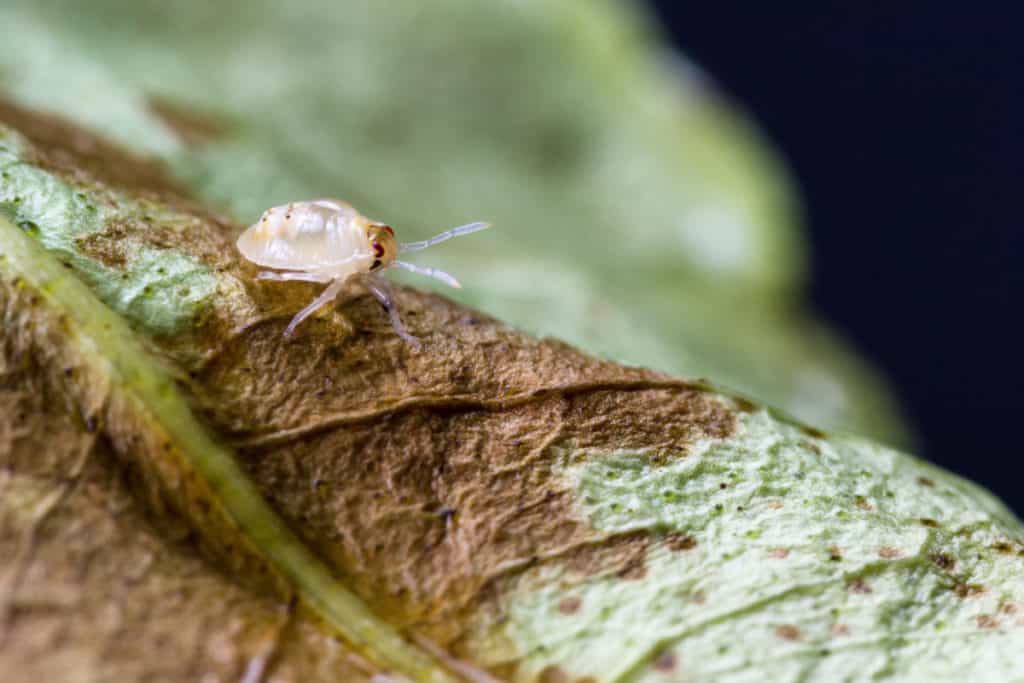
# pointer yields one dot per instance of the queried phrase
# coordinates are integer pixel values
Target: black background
(903, 126)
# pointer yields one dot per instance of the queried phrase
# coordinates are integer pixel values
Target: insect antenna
(429, 272)
(446, 235)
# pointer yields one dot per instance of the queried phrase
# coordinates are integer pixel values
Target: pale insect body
(328, 241)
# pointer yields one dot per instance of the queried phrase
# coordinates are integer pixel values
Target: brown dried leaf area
(430, 500)
(430, 479)
(427, 479)
(93, 585)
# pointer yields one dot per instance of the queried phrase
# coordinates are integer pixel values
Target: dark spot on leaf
(787, 632)
(925, 481)
(864, 504)
(887, 552)
(835, 553)
(666, 662)
(107, 246)
(569, 605)
(858, 585)
(943, 561)
(839, 630)
(987, 621)
(634, 569)
(929, 522)
(1002, 547)
(680, 541)
(968, 590)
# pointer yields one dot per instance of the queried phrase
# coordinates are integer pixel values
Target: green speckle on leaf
(742, 577)
(145, 288)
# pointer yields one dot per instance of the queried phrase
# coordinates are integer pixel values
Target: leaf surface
(185, 495)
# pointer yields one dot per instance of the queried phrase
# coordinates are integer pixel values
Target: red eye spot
(378, 250)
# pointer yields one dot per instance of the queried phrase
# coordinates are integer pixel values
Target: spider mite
(327, 241)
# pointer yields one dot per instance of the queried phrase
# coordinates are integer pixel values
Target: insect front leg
(381, 290)
(292, 275)
(326, 297)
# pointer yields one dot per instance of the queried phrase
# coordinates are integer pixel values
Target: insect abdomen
(308, 236)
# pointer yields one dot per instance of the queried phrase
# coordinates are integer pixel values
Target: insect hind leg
(326, 297)
(381, 290)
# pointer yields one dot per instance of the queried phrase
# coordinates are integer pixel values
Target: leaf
(184, 495)
(558, 121)
(489, 507)
(98, 582)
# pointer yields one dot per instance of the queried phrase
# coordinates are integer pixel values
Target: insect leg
(446, 235)
(292, 275)
(325, 298)
(429, 272)
(381, 290)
